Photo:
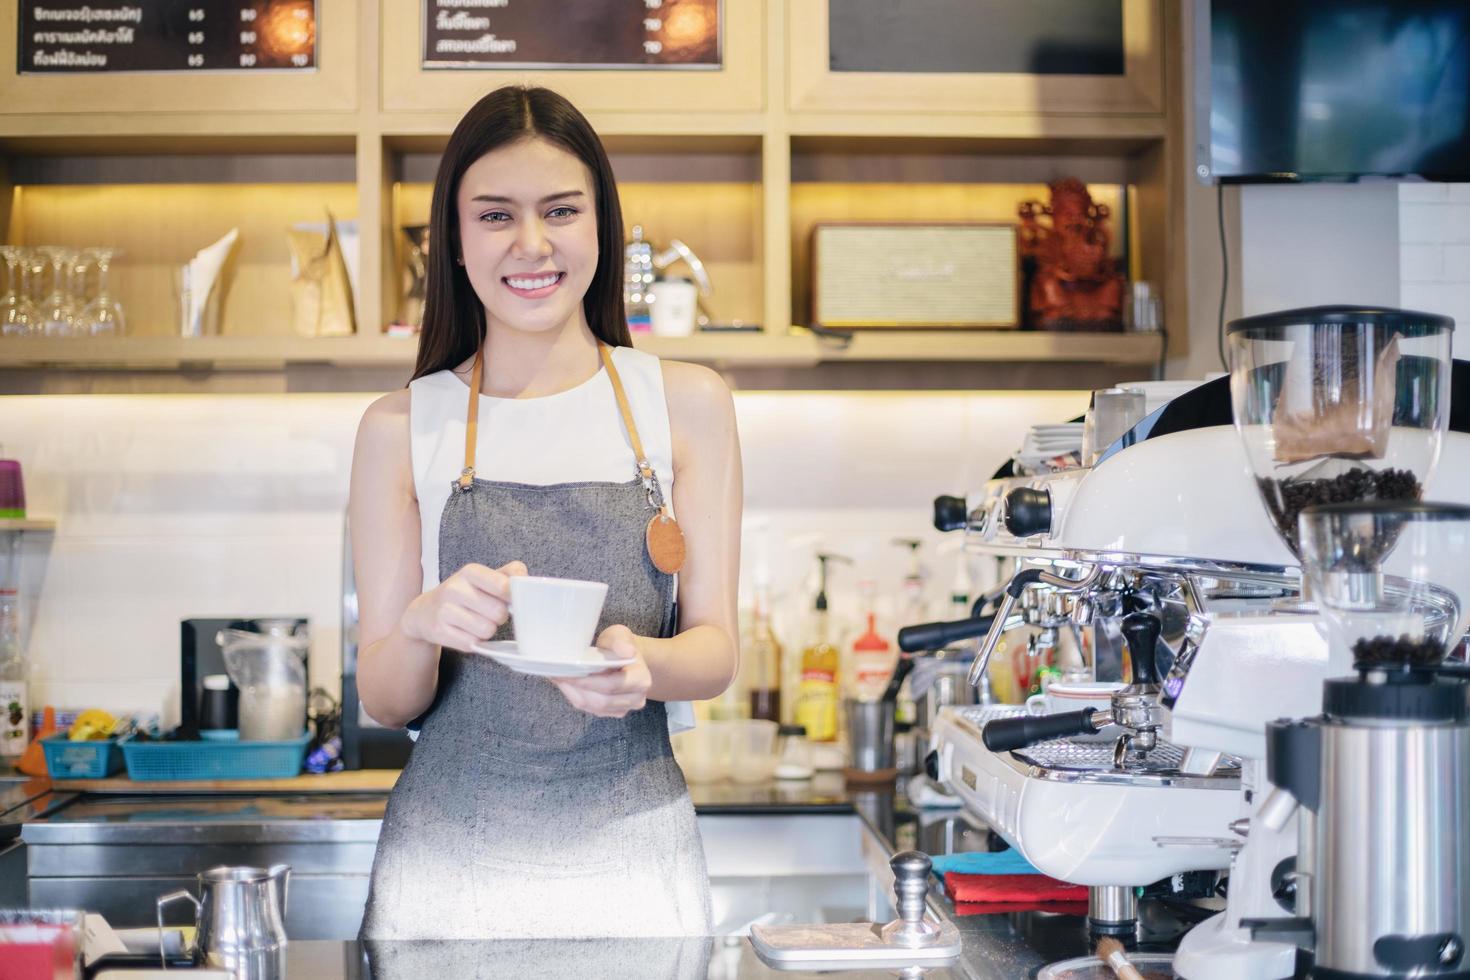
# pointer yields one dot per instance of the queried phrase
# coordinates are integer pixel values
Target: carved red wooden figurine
(1075, 285)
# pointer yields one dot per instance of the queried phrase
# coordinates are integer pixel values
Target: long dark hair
(454, 318)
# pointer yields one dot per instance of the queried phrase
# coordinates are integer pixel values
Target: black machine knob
(1141, 631)
(1027, 512)
(931, 765)
(950, 513)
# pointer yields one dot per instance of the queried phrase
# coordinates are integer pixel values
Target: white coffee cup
(1063, 696)
(555, 618)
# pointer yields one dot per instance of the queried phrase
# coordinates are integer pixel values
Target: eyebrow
(497, 199)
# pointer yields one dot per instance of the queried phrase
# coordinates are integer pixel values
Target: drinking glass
(15, 305)
(103, 317)
(58, 309)
(34, 283)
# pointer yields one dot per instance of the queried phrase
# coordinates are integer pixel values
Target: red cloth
(1012, 890)
(1001, 908)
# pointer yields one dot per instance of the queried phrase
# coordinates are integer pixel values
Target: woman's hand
(465, 609)
(611, 693)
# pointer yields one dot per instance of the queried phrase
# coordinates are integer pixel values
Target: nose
(531, 242)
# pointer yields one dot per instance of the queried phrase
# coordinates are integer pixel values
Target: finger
(574, 697)
(487, 580)
(512, 569)
(453, 638)
(620, 645)
(469, 621)
(606, 683)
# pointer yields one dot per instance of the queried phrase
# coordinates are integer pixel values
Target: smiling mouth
(534, 284)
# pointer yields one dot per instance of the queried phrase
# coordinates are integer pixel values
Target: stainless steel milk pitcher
(240, 916)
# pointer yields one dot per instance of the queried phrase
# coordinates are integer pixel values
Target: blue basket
(220, 757)
(66, 759)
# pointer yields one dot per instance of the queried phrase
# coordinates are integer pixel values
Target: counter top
(68, 817)
(996, 947)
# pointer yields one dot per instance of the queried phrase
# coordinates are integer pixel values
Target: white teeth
(541, 283)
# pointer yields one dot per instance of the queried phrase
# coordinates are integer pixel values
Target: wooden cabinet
(1131, 81)
(737, 86)
(331, 87)
(739, 163)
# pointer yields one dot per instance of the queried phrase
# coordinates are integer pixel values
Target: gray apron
(519, 816)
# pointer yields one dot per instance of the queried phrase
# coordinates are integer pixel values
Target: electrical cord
(1224, 274)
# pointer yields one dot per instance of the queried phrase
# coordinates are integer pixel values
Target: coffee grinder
(1382, 776)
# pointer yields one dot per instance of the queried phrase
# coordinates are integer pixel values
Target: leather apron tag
(665, 543)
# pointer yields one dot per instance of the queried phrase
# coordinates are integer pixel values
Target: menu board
(572, 33)
(1034, 37)
(76, 36)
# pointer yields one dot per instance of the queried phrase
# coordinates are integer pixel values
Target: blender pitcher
(269, 671)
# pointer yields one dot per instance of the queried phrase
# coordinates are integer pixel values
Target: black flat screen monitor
(1333, 89)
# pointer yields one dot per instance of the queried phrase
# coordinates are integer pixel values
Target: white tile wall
(1434, 253)
(176, 506)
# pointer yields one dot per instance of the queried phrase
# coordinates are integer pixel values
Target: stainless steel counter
(116, 853)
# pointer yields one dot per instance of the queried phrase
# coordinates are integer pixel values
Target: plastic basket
(220, 757)
(66, 759)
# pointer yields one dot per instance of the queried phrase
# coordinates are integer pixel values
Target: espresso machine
(1162, 547)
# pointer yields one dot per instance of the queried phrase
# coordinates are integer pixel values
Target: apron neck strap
(472, 416)
(644, 467)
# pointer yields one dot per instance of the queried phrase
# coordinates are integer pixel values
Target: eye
(563, 212)
(494, 217)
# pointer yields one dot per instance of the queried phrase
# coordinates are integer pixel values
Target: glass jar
(794, 754)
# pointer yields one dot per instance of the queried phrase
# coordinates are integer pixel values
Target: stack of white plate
(1047, 447)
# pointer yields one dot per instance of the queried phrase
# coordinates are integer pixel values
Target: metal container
(870, 735)
(1386, 772)
(241, 920)
(1393, 858)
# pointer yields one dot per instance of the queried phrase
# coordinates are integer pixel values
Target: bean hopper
(1339, 404)
(1382, 776)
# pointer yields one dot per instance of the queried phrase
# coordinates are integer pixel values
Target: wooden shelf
(10, 524)
(993, 346)
(799, 348)
(173, 353)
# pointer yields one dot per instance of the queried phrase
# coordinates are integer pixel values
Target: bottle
(637, 279)
(15, 716)
(765, 655)
(816, 706)
(873, 659)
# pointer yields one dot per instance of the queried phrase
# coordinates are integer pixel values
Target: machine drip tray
(1090, 760)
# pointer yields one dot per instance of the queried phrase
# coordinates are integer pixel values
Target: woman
(534, 807)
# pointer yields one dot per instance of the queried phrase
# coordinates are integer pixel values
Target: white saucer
(591, 661)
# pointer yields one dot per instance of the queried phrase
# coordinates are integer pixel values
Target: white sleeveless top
(573, 436)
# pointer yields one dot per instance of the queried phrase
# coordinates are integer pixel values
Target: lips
(534, 287)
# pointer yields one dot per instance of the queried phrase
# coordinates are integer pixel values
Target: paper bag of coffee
(321, 291)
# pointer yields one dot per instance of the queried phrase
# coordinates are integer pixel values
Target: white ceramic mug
(555, 618)
(674, 307)
(1063, 696)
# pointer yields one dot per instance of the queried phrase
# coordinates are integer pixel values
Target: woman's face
(528, 234)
